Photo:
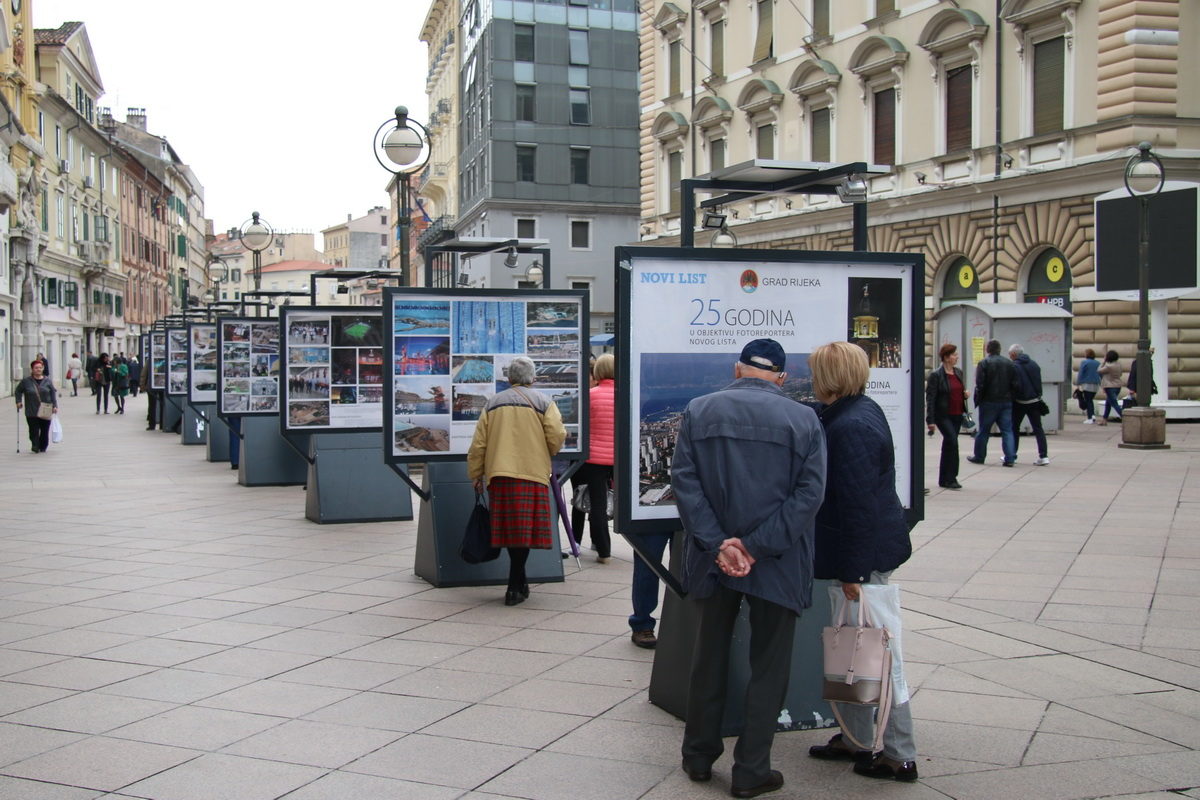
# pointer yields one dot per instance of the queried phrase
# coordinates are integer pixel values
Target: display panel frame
(554, 348)
(157, 362)
(358, 329)
(229, 402)
(202, 346)
(686, 287)
(177, 361)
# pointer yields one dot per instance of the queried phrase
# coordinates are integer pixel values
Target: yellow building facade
(997, 131)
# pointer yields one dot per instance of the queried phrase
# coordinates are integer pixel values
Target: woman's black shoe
(511, 598)
(951, 485)
(838, 750)
(886, 769)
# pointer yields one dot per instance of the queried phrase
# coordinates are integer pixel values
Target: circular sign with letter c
(1055, 269)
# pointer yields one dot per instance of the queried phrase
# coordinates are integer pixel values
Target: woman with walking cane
(36, 393)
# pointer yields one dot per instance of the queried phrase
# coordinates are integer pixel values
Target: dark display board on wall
(248, 364)
(202, 362)
(177, 361)
(157, 363)
(694, 309)
(447, 355)
(333, 368)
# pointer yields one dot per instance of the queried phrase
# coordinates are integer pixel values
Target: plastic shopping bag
(55, 430)
(883, 610)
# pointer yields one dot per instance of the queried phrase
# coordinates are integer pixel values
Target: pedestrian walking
(945, 404)
(1131, 382)
(74, 370)
(89, 366)
(595, 475)
(748, 475)
(1110, 381)
(1028, 403)
(517, 434)
(1087, 383)
(860, 542)
(995, 382)
(135, 375)
(102, 380)
(120, 383)
(33, 392)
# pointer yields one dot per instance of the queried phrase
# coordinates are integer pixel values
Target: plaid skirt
(520, 513)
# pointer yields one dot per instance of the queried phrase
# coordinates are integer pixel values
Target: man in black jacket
(1027, 401)
(995, 382)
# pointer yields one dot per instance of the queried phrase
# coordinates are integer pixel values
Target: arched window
(1049, 279)
(960, 281)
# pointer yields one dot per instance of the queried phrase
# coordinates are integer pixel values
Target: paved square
(168, 634)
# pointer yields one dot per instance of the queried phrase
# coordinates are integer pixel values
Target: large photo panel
(447, 354)
(177, 361)
(202, 362)
(332, 368)
(248, 366)
(157, 362)
(691, 311)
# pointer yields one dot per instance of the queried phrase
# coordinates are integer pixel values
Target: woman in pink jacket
(596, 473)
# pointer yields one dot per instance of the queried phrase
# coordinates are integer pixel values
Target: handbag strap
(881, 719)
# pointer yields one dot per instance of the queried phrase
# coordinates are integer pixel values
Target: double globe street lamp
(405, 146)
(1144, 178)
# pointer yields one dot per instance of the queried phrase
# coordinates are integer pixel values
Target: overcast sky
(273, 103)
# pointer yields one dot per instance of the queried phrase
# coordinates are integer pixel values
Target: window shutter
(820, 20)
(674, 81)
(1049, 62)
(717, 48)
(674, 176)
(885, 127)
(820, 134)
(764, 141)
(766, 29)
(958, 109)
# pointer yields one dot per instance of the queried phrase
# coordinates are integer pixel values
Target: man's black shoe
(774, 782)
(837, 750)
(951, 485)
(974, 460)
(697, 769)
(1009, 463)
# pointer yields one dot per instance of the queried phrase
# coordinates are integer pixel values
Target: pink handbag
(858, 669)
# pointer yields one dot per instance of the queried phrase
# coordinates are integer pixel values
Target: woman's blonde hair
(605, 367)
(839, 369)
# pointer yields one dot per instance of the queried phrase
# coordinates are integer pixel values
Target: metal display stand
(349, 482)
(267, 459)
(803, 708)
(217, 443)
(451, 498)
(172, 413)
(195, 423)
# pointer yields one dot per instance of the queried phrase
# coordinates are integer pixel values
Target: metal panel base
(440, 530)
(803, 708)
(172, 415)
(217, 444)
(348, 481)
(195, 426)
(266, 459)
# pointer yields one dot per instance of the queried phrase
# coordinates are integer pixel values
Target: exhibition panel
(247, 366)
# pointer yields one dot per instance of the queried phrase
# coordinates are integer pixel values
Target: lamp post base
(1144, 428)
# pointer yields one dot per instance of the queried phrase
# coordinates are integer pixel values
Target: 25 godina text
(710, 314)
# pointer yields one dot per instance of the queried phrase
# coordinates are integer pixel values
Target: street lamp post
(256, 233)
(406, 148)
(218, 273)
(1144, 178)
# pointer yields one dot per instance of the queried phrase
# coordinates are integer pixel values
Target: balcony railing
(434, 232)
(97, 315)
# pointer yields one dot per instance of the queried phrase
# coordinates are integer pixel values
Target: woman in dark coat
(120, 387)
(862, 535)
(102, 379)
(33, 390)
(945, 403)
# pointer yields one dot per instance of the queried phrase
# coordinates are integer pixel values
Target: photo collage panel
(450, 358)
(158, 361)
(250, 367)
(334, 370)
(177, 361)
(203, 357)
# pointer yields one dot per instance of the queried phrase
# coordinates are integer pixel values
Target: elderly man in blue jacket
(748, 476)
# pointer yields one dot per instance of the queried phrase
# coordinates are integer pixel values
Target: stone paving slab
(167, 634)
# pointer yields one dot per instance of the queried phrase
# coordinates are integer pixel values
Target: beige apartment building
(437, 185)
(999, 132)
